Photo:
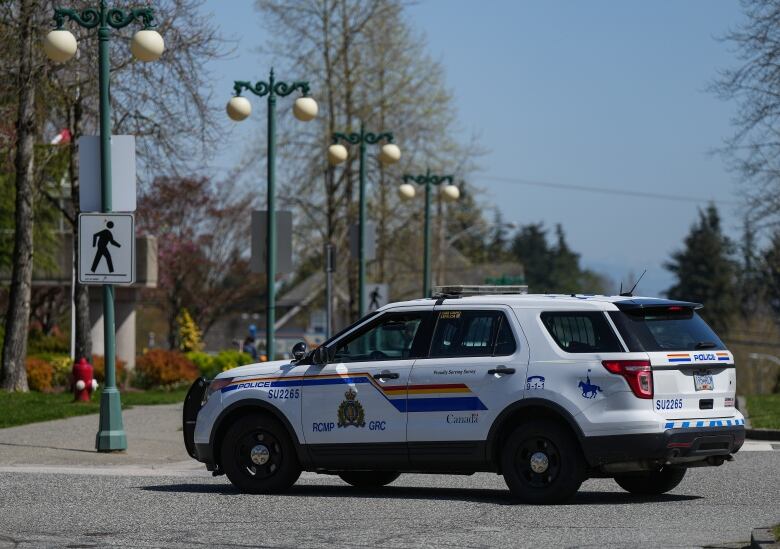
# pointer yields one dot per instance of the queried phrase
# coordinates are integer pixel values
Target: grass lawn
(777, 532)
(764, 411)
(22, 408)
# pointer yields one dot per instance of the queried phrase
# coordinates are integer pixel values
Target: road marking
(760, 446)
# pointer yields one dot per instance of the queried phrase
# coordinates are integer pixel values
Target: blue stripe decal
(686, 424)
(699, 424)
(669, 425)
(454, 404)
(723, 358)
(451, 404)
(679, 360)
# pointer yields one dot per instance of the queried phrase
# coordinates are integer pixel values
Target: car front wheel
(258, 455)
(542, 463)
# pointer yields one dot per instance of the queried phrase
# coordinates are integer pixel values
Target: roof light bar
(461, 290)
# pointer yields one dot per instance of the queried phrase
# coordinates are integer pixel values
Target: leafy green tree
(706, 271)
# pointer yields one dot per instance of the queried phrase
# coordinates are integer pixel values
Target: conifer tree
(706, 271)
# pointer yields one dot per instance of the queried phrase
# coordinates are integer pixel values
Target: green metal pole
(362, 228)
(427, 239)
(270, 232)
(111, 434)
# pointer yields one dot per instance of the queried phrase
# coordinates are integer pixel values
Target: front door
(354, 408)
(476, 367)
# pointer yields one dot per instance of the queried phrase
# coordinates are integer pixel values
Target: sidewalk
(154, 440)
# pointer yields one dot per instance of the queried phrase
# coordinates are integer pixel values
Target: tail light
(637, 374)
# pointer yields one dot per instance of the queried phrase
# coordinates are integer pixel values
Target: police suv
(546, 390)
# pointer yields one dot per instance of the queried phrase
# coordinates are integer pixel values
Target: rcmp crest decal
(351, 411)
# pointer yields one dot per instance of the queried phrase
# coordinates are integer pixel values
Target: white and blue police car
(546, 390)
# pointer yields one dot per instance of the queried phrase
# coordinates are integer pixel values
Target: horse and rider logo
(351, 411)
(589, 390)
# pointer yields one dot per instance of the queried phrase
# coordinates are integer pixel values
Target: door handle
(501, 370)
(386, 375)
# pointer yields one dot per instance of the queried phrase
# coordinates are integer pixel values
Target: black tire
(369, 479)
(557, 469)
(262, 434)
(651, 483)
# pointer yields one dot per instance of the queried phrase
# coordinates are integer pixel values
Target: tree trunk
(83, 325)
(14, 375)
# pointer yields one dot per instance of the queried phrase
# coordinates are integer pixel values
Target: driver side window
(391, 337)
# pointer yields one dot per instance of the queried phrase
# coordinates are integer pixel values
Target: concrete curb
(763, 434)
(763, 538)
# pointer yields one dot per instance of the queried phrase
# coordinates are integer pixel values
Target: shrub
(210, 365)
(205, 364)
(39, 374)
(189, 333)
(99, 369)
(160, 368)
(62, 366)
(229, 358)
(38, 343)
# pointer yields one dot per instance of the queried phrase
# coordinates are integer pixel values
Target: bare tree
(366, 65)
(754, 149)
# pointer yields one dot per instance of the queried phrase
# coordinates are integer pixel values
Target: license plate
(702, 381)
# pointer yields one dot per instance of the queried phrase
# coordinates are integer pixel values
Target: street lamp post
(304, 109)
(406, 190)
(389, 154)
(147, 45)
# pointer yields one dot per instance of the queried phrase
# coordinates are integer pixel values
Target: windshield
(337, 335)
(665, 329)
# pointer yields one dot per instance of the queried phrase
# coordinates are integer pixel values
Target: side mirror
(299, 350)
(321, 355)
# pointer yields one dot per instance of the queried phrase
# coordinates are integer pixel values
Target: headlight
(215, 386)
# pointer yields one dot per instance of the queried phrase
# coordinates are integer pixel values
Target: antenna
(630, 293)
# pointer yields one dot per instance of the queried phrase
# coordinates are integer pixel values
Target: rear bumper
(670, 446)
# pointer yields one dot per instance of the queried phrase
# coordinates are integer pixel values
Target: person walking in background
(249, 348)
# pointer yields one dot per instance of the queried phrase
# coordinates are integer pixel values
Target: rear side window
(472, 333)
(581, 332)
(665, 329)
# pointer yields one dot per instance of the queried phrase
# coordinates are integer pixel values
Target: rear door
(693, 373)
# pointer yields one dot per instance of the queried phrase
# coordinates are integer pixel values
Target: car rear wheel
(258, 456)
(651, 483)
(542, 463)
(369, 479)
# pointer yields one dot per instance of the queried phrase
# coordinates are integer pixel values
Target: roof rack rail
(462, 290)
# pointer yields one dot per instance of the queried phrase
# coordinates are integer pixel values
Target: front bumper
(670, 446)
(192, 404)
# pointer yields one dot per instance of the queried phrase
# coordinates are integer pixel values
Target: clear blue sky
(599, 93)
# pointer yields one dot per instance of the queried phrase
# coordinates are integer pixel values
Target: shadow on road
(473, 495)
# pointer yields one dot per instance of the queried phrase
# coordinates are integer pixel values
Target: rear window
(581, 332)
(665, 329)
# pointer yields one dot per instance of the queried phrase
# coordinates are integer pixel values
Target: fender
(499, 422)
(255, 403)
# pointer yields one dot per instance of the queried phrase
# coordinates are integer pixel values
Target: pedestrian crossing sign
(106, 248)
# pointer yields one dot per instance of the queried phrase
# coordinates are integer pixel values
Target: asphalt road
(715, 506)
